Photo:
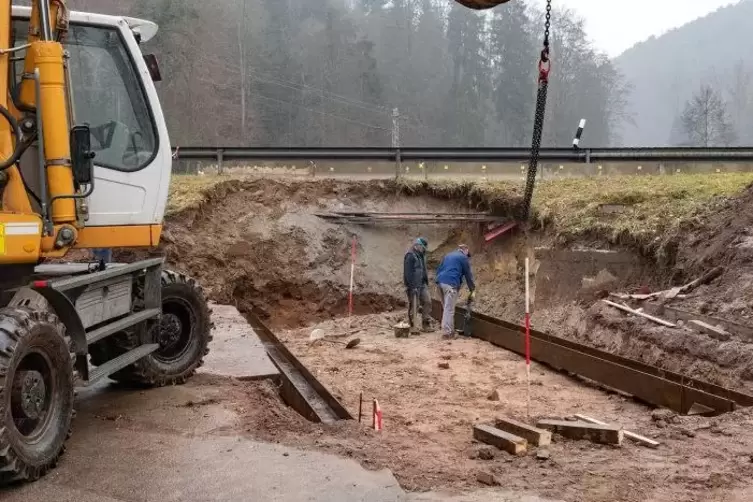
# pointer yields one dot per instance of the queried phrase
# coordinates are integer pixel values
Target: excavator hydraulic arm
(481, 4)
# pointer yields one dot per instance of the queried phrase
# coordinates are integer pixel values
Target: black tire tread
(15, 324)
(141, 372)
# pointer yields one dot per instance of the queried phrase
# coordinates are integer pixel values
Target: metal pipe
(47, 226)
(44, 20)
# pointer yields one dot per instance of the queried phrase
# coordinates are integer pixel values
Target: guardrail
(584, 155)
(460, 163)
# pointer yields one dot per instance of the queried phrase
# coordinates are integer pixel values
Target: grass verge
(618, 209)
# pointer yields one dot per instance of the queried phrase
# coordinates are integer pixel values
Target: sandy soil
(429, 413)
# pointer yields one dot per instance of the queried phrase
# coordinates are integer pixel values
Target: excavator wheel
(184, 333)
(36, 392)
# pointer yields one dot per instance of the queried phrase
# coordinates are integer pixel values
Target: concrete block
(535, 436)
(603, 434)
(510, 443)
(712, 331)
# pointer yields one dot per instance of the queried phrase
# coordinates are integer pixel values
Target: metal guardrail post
(588, 155)
(398, 163)
(220, 158)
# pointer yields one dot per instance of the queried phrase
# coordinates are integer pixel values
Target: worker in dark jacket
(454, 268)
(416, 281)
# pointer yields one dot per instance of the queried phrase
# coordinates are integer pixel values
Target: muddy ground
(258, 245)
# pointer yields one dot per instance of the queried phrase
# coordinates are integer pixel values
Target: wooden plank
(510, 443)
(602, 434)
(641, 314)
(536, 436)
(630, 435)
(712, 331)
(673, 314)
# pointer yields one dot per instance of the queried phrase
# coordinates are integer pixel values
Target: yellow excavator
(85, 163)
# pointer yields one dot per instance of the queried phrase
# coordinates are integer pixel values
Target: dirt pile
(724, 238)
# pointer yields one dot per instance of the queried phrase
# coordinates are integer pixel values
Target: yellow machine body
(124, 204)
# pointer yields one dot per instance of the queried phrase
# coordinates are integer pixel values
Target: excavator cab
(112, 94)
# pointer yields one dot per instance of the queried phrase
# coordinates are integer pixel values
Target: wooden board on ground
(510, 443)
(630, 435)
(602, 434)
(627, 309)
(534, 435)
(712, 331)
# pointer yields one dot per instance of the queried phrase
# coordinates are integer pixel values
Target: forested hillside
(330, 72)
(693, 85)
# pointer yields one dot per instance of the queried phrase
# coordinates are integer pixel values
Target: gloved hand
(472, 295)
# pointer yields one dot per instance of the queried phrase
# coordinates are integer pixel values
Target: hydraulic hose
(19, 148)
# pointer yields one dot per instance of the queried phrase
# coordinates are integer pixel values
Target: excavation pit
(258, 245)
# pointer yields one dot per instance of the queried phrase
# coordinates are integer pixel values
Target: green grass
(653, 204)
(187, 190)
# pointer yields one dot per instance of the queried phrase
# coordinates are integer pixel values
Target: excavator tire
(184, 333)
(36, 392)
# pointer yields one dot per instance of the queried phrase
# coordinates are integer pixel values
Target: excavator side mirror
(153, 66)
(81, 154)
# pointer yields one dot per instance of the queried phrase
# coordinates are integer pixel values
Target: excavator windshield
(107, 95)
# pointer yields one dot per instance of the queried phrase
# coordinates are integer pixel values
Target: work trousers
(419, 297)
(449, 300)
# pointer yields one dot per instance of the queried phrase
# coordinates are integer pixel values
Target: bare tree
(705, 120)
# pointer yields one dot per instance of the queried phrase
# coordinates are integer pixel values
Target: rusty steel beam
(646, 383)
(300, 389)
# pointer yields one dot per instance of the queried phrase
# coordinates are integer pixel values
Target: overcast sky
(615, 25)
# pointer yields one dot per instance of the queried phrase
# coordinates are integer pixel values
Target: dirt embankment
(259, 245)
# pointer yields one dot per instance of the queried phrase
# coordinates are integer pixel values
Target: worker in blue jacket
(454, 268)
(416, 282)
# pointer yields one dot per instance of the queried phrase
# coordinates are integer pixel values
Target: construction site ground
(217, 438)
(257, 245)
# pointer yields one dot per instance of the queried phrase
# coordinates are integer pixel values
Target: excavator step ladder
(97, 304)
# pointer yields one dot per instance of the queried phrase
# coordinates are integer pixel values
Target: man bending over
(454, 268)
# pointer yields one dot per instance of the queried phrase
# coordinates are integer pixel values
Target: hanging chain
(538, 120)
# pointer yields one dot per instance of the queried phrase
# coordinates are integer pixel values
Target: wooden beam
(602, 434)
(627, 309)
(630, 435)
(535, 436)
(510, 443)
(710, 330)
